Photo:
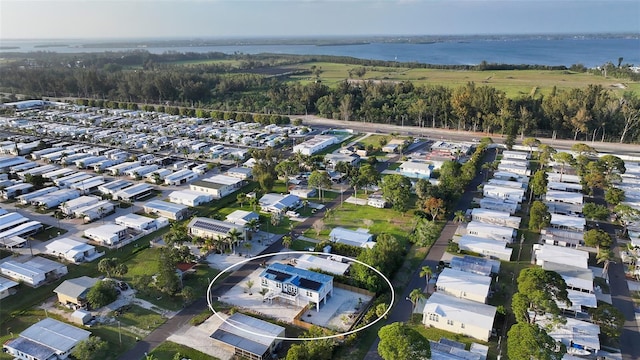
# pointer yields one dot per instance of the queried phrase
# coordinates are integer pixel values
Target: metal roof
(77, 287)
(55, 334)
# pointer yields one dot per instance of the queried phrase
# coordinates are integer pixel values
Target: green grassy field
(168, 350)
(512, 82)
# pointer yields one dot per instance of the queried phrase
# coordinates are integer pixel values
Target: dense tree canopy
(529, 341)
(398, 341)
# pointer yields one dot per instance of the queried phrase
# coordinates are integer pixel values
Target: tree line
(589, 114)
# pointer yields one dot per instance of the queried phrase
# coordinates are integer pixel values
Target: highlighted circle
(393, 297)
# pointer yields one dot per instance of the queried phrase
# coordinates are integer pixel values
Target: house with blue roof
(296, 285)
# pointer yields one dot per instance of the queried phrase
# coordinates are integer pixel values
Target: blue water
(567, 51)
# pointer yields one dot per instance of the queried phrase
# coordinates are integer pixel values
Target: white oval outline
(393, 297)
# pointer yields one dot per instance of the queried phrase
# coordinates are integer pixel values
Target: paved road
(621, 299)
(402, 309)
(454, 135)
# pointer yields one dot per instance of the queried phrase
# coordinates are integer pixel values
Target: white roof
(579, 299)
(223, 179)
(564, 196)
(568, 221)
(189, 195)
(575, 277)
(106, 230)
(465, 281)
(6, 284)
(67, 245)
(461, 310)
(576, 331)
(561, 255)
(552, 176)
(484, 230)
(350, 237)
(309, 262)
(241, 215)
(133, 219)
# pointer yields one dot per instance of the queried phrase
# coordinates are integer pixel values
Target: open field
(512, 82)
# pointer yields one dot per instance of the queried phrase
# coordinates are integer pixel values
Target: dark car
(123, 286)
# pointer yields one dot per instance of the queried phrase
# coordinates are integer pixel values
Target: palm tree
(233, 236)
(253, 225)
(459, 216)
(605, 256)
(248, 246)
(253, 202)
(241, 197)
(286, 241)
(415, 296)
(426, 272)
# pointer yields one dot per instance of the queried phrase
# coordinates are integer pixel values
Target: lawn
(354, 216)
(374, 140)
(141, 318)
(168, 350)
(301, 245)
(513, 82)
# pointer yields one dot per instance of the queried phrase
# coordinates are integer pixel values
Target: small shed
(81, 316)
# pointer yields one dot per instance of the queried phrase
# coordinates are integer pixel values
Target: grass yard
(513, 82)
(374, 140)
(353, 216)
(168, 350)
(141, 318)
(301, 245)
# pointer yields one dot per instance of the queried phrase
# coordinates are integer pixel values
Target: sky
(109, 19)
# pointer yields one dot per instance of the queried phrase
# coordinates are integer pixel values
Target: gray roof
(77, 287)
(251, 343)
(55, 334)
(31, 348)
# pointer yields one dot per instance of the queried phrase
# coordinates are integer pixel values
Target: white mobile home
(134, 193)
(141, 171)
(503, 193)
(495, 217)
(95, 211)
(564, 186)
(574, 334)
(37, 171)
(189, 197)
(111, 188)
(357, 238)
(576, 278)
(46, 339)
(565, 197)
(520, 170)
(51, 175)
(137, 222)
(180, 177)
(107, 235)
(567, 178)
(499, 205)
(311, 262)
(22, 167)
(560, 255)
(65, 181)
(464, 285)
(510, 176)
(567, 222)
(12, 191)
(55, 198)
(315, 144)
(166, 209)
(119, 169)
(72, 250)
(508, 183)
(69, 207)
(89, 161)
(519, 155)
(490, 231)
(560, 237)
(459, 316)
(475, 265)
(100, 166)
(88, 185)
(218, 186)
(34, 271)
(6, 286)
(10, 220)
(486, 247)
